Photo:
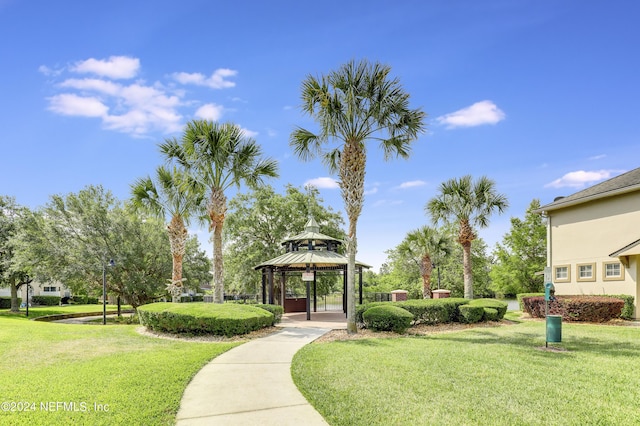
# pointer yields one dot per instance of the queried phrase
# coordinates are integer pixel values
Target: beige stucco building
(593, 238)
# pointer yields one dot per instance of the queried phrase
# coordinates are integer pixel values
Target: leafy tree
(260, 220)
(451, 269)
(468, 204)
(353, 105)
(522, 254)
(219, 156)
(73, 238)
(173, 194)
(424, 246)
(399, 272)
(10, 217)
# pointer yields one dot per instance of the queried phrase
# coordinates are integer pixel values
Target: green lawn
(39, 311)
(93, 374)
(483, 376)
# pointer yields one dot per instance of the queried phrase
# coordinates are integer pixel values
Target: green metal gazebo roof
(320, 254)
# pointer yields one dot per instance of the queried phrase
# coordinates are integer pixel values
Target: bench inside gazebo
(307, 253)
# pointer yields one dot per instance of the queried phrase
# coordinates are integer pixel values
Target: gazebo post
(264, 288)
(270, 278)
(283, 288)
(344, 289)
(360, 282)
(315, 293)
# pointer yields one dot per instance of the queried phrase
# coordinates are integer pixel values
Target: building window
(586, 272)
(562, 274)
(50, 289)
(612, 271)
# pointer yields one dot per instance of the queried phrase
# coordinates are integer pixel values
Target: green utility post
(554, 322)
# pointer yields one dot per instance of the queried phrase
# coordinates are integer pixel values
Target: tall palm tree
(425, 245)
(174, 194)
(469, 204)
(219, 156)
(353, 105)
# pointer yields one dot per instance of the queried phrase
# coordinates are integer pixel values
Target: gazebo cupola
(311, 239)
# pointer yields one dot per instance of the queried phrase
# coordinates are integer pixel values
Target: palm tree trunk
(352, 171)
(426, 269)
(217, 209)
(468, 274)
(464, 238)
(177, 239)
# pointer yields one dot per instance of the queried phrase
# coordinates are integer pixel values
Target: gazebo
(307, 253)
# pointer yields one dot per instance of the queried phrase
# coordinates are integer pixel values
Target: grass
(497, 376)
(39, 311)
(105, 375)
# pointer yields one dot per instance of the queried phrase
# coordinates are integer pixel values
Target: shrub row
(435, 311)
(204, 318)
(276, 310)
(577, 308)
(45, 300)
(387, 318)
(5, 302)
(521, 296)
(188, 299)
(79, 299)
(424, 311)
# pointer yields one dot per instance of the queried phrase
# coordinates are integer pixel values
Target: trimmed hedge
(204, 318)
(577, 308)
(78, 299)
(45, 300)
(5, 302)
(521, 296)
(491, 314)
(629, 308)
(276, 310)
(387, 318)
(499, 306)
(433, 311)
(427, 311)
(471, 314)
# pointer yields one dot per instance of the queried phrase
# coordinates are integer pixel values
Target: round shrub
(499, 306)
(204, 318)
(387, 318)
(490, 314)
(276, 310)
(471, 314)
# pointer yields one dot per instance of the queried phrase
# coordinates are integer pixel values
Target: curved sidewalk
(251, 384)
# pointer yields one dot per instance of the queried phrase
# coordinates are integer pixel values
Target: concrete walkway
(251, 384)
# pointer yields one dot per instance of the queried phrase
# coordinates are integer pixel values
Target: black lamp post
(104, 291)
(26, 279)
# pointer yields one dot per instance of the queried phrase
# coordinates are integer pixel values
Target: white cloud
(371, 191)
(249, 133)
(211, 112)
(386, 203)
(323, 183)
(217, 80)
(412, 184)
(136, 107)
(115, 67)
(581, 178)
(484, 112)
(92, 84)
(597, 157)
(70, 104)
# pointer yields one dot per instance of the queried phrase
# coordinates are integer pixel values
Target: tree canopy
(522, 255)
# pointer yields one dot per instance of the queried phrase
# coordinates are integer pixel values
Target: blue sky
(541, 96)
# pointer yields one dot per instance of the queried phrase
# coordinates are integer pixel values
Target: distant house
(593, 238)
